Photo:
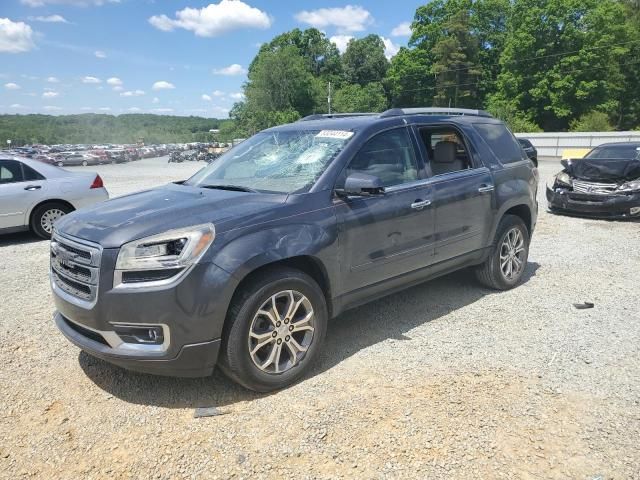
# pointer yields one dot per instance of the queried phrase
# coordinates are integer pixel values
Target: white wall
(553, 144)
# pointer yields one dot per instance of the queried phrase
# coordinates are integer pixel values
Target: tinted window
(10, 171)
(501, 141)
(615, 151)
(388, 156)
(30, 173)
(525, 143)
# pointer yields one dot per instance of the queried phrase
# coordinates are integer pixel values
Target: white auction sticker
(342, 134)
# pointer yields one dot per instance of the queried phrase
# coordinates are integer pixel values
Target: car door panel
(18, 198)
(463, 203)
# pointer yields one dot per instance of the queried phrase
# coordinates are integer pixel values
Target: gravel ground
(444, 380)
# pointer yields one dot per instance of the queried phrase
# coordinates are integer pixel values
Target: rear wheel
(60, 164)
(508, 259)
(45, 216)
(274, 331)
(85, 163)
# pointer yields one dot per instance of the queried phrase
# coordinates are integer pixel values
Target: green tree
(364, 61)
(592, 122)
(357, 98)
(562, 59)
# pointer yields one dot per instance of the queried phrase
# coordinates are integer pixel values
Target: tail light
(97, 182)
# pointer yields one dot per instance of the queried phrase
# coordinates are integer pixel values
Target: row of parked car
(84, 155)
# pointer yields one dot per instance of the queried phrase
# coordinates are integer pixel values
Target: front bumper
(191, 313)
(617, 206)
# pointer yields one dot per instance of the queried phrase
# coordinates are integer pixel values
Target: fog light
(148, 335)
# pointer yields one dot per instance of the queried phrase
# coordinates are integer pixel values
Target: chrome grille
(75, 269)
(594, 188)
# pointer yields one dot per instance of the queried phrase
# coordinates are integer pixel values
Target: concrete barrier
(554, 144)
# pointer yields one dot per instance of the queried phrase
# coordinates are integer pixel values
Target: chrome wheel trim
(49, 217)
(512, 254)
(281, 332)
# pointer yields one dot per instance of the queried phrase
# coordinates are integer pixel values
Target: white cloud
(118, 88)
(155, 100)
(73, 3)
(234, 69)
(50, 94)
(15, 37)
(220, 111)
(134, 109)
(12, 86)
(29, 77)
(162, 85)
(402, 30)
(214, 19)
(114, 81)
(237, 95)
(390, 48)
(218, 93)
(90, 79)
(206, 97)
(163, 110)
(49, 19)
(132, 93)
(100, 54)
(105, 109)
(52, 79)
(17, 106)
(351, 18)
(52, 108)
(341, 42)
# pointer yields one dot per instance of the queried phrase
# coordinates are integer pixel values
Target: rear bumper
(194, 360)
(597, 206)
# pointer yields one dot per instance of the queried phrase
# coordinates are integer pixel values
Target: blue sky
(181, 57)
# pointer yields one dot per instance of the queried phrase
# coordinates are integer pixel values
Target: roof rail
(324, 116)
(395, 112)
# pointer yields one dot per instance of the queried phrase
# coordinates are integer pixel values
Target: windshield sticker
(341, 134)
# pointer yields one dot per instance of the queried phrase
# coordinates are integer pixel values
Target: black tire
(490, 272)
(46, 209)
(235, 358)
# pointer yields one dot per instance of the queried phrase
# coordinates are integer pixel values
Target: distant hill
(100, 128)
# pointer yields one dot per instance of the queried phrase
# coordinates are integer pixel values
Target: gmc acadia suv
(243, 264)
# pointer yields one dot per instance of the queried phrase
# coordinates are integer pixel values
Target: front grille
(594, 188)
(75, 268)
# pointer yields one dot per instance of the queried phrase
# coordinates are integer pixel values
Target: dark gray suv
(243, 264)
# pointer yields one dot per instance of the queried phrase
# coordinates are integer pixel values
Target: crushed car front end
(600, 189)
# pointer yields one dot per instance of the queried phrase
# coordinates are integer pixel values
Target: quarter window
(501, 142)
(388, 156)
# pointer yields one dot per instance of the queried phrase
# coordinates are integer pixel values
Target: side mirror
(362, 184)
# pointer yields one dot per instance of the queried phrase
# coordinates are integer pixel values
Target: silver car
(34, 195)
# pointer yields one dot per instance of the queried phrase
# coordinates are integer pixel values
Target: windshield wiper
(233, 188)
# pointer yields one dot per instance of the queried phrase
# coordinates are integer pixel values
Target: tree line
(537, 64)
(93, 128)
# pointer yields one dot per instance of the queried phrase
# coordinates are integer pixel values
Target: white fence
(554, 144)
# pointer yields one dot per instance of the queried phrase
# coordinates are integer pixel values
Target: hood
(612, 170)
(123, 219)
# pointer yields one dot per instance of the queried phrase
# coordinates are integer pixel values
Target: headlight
(630, 186)
(563, 178)
(144, 260)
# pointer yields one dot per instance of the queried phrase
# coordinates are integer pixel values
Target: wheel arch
(524, 212)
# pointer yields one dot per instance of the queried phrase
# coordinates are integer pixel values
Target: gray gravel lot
(444, 380)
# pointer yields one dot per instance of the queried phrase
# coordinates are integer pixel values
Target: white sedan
(33, 195)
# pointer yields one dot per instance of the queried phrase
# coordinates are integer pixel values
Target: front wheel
(506, 264)
(274, 331)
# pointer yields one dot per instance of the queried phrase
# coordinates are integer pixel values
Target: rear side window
(10, 172)
(501, 141)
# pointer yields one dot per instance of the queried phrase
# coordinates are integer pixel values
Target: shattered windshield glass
(279, 162)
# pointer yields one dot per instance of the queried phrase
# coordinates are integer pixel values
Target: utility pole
(329, 98)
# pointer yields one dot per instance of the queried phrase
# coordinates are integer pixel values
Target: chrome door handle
(31, 188)
(486, 188)
(420, 204)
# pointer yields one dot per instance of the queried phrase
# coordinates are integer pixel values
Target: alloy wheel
(281, 332)
(512, 254)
